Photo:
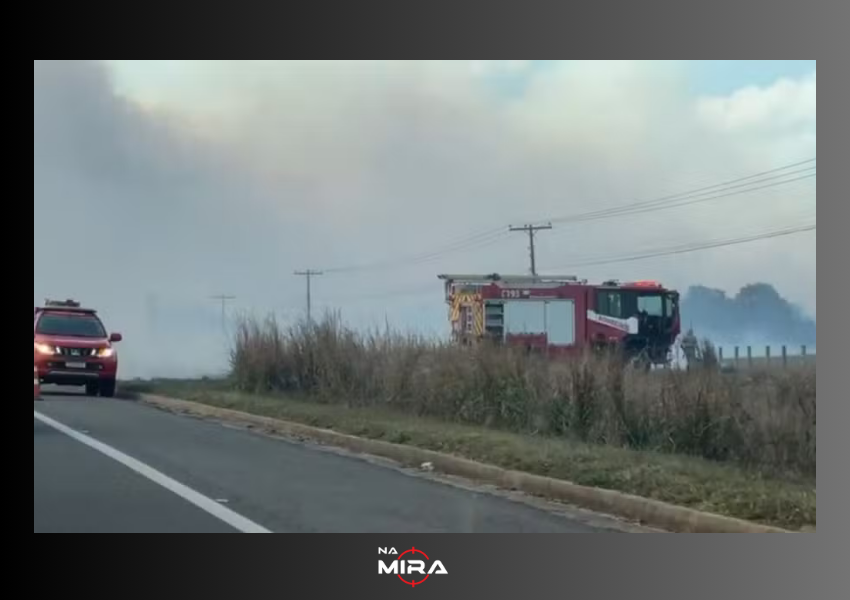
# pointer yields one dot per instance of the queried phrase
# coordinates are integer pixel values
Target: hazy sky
(160, 183)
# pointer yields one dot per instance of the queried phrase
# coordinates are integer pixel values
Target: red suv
(72, 347)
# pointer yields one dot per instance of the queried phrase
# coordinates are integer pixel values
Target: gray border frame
(562, 566)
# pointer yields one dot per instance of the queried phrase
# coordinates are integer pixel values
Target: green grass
(784, 501)
(761, 419)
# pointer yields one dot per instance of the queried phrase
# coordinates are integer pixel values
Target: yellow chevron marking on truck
(473, 301)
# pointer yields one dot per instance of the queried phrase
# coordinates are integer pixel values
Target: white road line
(208, 505)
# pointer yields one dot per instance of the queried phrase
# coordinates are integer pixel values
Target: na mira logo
(411, 566)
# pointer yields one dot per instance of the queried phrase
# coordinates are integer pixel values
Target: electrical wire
(688, 248)
(480, 240)
(711, 189)
(661, 252)
(489, 237)
(683, 201)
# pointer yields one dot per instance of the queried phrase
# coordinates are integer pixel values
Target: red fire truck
(563, 315)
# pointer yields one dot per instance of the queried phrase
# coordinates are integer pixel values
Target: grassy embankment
(739, 444)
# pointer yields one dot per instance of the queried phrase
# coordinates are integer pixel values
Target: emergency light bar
(63, 303)
(507, 278)
(69, 305)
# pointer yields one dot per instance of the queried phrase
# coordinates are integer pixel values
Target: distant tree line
(757, 314)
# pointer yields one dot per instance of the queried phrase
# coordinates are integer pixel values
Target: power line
(687, 248)
(398, 292)
(694, 196)
(683, 200)
(309, 274)
(224, 299)
(660, 252)
(673, 201)
(698, 191)
(479, 240)
(473, 243)
(531, 230)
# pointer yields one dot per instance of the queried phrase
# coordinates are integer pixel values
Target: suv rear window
(70, 325)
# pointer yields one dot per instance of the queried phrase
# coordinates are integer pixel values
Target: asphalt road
(104, 466)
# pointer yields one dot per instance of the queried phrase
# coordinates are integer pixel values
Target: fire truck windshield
(623, 304)
(651, 304)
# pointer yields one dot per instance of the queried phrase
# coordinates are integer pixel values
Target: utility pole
(309, 274)
(531, 230)
(224, 299)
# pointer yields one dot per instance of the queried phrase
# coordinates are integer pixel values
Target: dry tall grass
(759, 419)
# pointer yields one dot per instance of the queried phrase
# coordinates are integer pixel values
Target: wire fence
(753, 356)
(766, 356)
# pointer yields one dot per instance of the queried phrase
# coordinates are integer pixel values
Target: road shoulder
(643, 511)
(291, 487)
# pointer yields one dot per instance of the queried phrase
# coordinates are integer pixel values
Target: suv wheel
(92, 389)
(107, 388)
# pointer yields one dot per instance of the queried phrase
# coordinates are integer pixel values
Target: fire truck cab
(564, 315)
